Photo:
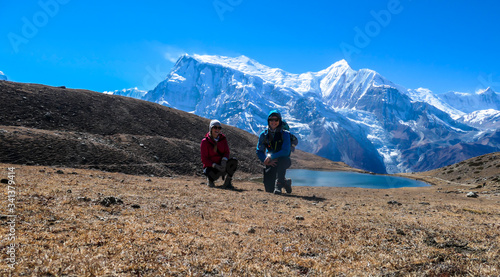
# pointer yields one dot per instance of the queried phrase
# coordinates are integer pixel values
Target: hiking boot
(228, 184)
(277, 188)
(288, 186)
(210, 183)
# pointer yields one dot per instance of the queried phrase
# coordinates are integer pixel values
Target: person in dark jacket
(273, 149)
(215, 156)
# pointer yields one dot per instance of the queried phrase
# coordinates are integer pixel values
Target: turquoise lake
(312, 178)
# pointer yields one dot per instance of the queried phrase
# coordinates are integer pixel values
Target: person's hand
(218, 167)
(223, 163)
(270, 162)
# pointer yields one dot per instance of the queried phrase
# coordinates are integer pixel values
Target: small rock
(135, 206)
(108, 201)
(393, 202)
(5, 181)
(148, 180)
(69, 191)
(299, 217)
(472, 194)
(164, 206)
(424, 203)
(84, 199)
(60, 172)
(251, 230)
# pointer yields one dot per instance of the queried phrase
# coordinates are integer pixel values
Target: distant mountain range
(472, 102)
(357, 117)
(131, 92)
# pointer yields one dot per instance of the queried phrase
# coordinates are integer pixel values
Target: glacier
(354, 116)
(131, 92)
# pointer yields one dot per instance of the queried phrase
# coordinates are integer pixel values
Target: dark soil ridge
(56, 126)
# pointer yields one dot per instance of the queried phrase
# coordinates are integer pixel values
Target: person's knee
(211, 173)
(284, 162)
(231, 166)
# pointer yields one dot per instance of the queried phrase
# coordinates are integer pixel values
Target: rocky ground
(479, 176)
(76, 222)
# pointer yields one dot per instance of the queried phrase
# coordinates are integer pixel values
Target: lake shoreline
(315, 178)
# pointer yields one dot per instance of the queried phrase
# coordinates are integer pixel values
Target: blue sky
(109, 45)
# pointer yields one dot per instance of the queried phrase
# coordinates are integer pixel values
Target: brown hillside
(84, 129)
(480, 173)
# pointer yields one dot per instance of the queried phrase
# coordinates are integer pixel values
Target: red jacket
(209, 154)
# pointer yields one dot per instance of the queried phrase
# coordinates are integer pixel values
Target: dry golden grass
(180, 227)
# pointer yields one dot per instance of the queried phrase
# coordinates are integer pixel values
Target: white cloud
(172, 53)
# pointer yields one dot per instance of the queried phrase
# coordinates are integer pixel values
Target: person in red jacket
(215, 156)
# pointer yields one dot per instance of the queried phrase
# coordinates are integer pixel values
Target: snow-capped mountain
(358, 117)
(471, 102)
(427, 96)
(482, 119)
(2, 76)
(131, 92)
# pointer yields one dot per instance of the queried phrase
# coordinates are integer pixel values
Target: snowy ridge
(427, 96)
(470, 102)
(484, 119)
(131, 92)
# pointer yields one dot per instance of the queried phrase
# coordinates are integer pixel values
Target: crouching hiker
(215, 156)
(273, 149)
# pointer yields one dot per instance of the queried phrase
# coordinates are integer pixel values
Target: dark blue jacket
(279, 147)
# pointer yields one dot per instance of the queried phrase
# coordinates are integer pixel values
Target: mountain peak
(231, 62)
(342, 62)
(339, 65)
(2, 76)
(487, 91)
